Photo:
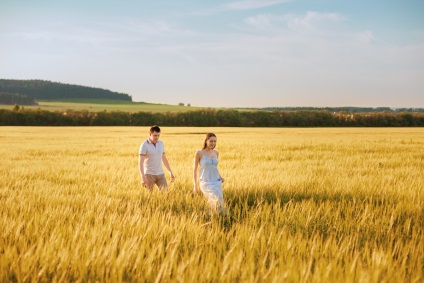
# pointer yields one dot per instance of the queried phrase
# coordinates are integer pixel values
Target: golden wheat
(306, 205)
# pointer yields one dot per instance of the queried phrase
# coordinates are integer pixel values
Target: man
(151, 156)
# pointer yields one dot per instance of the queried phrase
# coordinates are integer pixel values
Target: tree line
(210, 118)
(343, 109)
(45, 90)
(15, 98)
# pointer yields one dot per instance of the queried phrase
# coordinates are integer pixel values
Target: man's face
(154, 137)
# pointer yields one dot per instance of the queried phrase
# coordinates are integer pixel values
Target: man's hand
(172, 178)
(144, 182)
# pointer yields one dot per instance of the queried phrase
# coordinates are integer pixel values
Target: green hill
(47, 90)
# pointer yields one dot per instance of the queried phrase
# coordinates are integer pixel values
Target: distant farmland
(98, 105)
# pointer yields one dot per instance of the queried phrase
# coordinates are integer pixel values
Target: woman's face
(211, 143)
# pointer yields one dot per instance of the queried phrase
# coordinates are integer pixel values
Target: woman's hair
(208, 136)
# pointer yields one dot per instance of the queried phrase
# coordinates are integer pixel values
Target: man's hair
(154, 128)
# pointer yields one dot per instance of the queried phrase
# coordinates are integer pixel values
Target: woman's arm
(197, 157)
(220, 177)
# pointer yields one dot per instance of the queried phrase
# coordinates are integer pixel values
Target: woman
(210, 179)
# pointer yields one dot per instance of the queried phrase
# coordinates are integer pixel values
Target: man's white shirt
(153, 160)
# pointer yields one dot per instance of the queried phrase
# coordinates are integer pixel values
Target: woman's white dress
(210, 182)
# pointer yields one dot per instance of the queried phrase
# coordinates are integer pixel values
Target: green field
(98, 105)
(305, 205)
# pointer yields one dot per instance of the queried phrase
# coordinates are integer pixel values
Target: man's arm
(141, 169)
(166, 164)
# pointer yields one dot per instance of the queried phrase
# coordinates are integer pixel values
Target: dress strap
(216, 156)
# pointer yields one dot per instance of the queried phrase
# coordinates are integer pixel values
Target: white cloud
(150, 28)
(365, 37)
(264, 21)
(309, 22)
(312, 20)
(101, 34)
(252, 4)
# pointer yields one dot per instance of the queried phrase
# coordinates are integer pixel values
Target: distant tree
(408, 119)
(16, 98)
(210, 118)
(39, 89)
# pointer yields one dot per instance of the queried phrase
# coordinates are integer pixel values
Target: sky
(248, 53)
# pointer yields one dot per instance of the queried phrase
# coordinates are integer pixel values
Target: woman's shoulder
(199, 152)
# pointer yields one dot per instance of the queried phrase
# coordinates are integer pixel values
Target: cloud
(309, 22)
(313, 41)
(150, 28)
(252, 4)
(264, 23)
(102, 34)
(365, 37)
(313, 20)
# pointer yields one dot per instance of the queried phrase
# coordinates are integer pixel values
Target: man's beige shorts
(159, 180)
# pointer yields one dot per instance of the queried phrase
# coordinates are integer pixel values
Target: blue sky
(223, 53)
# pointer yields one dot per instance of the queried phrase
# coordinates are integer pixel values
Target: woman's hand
(222, 179)
(196, 190)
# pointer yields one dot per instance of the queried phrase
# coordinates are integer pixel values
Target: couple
(152, 155)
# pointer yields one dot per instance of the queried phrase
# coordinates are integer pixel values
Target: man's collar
(150, 141)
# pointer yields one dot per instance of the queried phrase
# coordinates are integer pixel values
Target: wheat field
(305, 205)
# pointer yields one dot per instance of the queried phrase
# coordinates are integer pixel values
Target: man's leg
(161, 182)
(151, 180)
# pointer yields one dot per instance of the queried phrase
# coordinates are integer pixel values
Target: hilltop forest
(15, 98)
(47, 90)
